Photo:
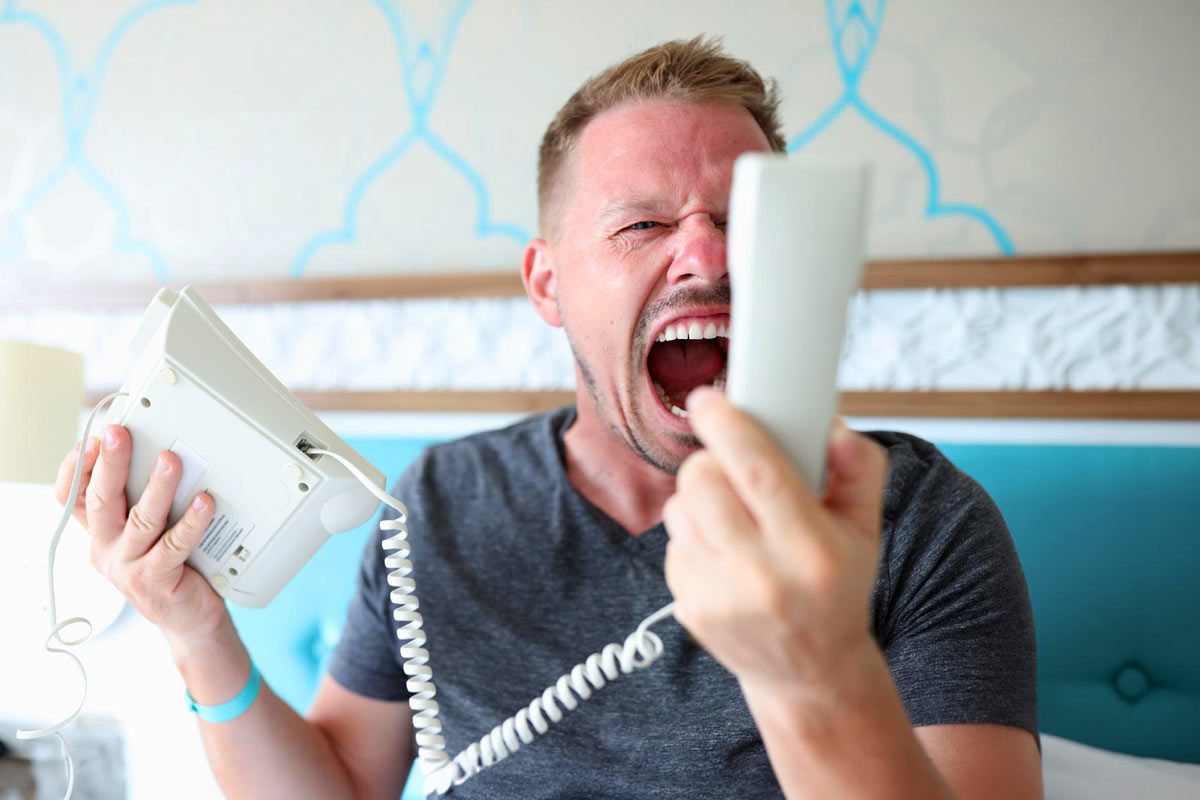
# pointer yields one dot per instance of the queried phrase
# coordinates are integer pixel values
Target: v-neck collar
(651, 543)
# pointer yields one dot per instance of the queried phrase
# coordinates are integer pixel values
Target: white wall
(227, 138)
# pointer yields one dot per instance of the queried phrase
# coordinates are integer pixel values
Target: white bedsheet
(1074, 771)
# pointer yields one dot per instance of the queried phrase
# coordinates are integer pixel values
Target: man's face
(641, 255)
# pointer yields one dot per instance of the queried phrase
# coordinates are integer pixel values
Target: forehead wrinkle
(689, 168)
(613, 209)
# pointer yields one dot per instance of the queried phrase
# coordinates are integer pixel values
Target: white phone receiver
(795, 259)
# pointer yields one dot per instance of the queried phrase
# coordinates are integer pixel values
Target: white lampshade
(41, 400)
(41, 395)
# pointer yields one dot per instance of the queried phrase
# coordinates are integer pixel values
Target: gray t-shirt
(520, 577)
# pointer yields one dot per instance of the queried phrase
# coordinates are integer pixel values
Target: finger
(689, 554)
(705, 491)
(66, 474)
(679, 525)
(858, 467)
(148, 517)
(106, 502)
(760, 472)
(174, 547)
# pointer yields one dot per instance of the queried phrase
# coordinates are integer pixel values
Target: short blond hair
(695, 71)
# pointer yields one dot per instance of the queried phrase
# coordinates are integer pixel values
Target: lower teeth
(718, 383)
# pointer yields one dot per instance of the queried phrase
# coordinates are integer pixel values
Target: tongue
(680, 366)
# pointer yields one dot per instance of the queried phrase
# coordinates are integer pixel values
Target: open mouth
(688, 352)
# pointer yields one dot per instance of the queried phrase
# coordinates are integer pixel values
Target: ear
(540, 277)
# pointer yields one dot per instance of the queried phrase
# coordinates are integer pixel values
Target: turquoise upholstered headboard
(1109, 537)
(1110, 541)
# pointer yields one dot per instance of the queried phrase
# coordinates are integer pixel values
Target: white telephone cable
(640, 649)
(56, 628)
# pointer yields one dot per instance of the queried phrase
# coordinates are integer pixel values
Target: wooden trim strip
(516, 402)
(1149, 405)
(1054, 270)
(374, 287)
(1050, 270)
(1132, 405)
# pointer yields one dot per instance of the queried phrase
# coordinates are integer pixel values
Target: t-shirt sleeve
(958, 630)
(365, 658)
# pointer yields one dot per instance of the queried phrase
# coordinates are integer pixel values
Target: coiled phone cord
(64, 644)
(640, 649)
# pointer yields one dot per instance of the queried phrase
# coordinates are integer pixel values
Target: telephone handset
(283, 482)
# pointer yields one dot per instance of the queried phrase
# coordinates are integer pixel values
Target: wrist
(214, 630)
(857, 680)
(849, 736)
(214, 664)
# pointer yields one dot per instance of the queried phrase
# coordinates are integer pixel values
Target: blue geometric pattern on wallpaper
(420, 102)
(78, 94)
(854, 37)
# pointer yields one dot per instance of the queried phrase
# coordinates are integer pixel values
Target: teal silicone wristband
(230, 709)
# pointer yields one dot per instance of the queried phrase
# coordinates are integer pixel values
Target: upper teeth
(694, 331)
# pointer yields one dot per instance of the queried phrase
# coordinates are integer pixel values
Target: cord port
(305, 442)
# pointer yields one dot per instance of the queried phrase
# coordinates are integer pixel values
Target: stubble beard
(639, 430)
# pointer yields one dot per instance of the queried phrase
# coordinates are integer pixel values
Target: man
(873, 641)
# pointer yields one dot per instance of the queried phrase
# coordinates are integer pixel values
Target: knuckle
(95, 499)
(139, 522)
(173, 544)
(766, 476)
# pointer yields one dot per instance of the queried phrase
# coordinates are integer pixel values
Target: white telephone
(241, 436)
(283, 482)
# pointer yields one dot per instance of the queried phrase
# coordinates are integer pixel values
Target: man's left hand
(771, 579)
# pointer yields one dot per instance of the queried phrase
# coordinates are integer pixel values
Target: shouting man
(874, 640)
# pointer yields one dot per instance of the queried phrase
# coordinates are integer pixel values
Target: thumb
(858, 468)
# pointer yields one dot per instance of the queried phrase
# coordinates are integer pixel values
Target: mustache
(719, 295)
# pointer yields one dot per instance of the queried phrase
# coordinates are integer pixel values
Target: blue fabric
(1108, 537)
(1110, 541)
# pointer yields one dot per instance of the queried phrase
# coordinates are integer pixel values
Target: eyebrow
(631, 206)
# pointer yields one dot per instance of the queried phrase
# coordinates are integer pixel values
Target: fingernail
(162, 465)
(93, 444)
(198, 502)
(700, 398)
(110, 441)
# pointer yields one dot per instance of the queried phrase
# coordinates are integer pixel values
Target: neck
(607, 471)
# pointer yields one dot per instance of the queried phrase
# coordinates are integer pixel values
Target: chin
(661, 438)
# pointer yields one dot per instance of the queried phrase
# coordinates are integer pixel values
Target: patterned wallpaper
(211, 139)
(203, 140)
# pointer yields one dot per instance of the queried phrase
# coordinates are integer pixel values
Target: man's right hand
(132, 549)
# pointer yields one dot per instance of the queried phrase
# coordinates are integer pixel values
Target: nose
(700, 254)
